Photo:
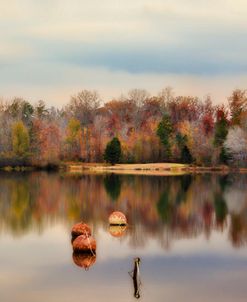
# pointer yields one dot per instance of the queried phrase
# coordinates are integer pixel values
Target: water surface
(189, 231)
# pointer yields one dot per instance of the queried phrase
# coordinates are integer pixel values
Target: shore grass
(148, 169)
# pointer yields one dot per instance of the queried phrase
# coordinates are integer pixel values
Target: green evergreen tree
(164, 132)
(113, 151)
(221, 131)
(186, 156)
(225, 156)
(220, 134)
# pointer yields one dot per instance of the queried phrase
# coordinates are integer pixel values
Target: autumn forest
(160, 128)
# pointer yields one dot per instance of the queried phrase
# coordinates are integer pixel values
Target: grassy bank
(148, 169)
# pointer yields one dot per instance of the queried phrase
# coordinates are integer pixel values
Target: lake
(189, 231)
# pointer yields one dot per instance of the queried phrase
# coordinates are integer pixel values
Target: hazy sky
(51, 49)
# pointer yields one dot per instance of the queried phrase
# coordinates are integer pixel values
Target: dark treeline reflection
(161, 208)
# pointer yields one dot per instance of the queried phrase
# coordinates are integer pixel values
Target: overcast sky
(51, 49)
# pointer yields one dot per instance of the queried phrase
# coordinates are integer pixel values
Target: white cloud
(51, 49)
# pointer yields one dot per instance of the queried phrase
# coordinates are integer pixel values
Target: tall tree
(164, 132)
(221, 127)
(83, 106)
(20, 139)
(40, 110)
(166, 96)
(238, 106)
(236, 144)
(138, 96)
(73, 138)
(19, 109)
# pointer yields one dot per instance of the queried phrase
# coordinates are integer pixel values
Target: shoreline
(149, 169)
(158, 169)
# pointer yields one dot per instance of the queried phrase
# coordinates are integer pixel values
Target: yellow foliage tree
(20, 139)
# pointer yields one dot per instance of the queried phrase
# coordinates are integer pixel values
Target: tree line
(135, 128)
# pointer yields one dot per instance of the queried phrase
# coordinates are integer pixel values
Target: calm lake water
(189, 231)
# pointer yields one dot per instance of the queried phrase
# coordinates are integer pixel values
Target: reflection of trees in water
(16, 213)
(165, 207)
(20, 207)
(236, 230)
(112, 184)
(161, 208)
(220, 208)
(172, 197)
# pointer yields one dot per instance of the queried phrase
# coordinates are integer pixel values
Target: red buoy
(81, 229)
(84, 244)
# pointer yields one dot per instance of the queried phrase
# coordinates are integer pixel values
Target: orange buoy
(84, 260)
(84, 244)
(117, 218)
(80, 229)
(117, 230)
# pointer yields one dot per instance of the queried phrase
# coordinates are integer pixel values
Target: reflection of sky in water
(192, 267)
(35, 268)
